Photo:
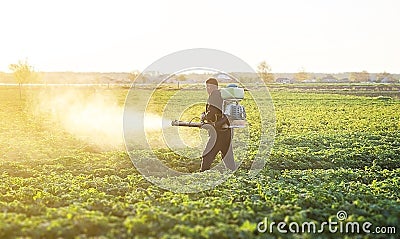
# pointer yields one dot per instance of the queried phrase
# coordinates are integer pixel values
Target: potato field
(332, 153)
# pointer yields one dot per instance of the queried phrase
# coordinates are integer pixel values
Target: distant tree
(364, 75)
(359, 76)
(133, 75)
(23, 73)
(264, 71)
(302, 75)
(180, 78)
(137, 77)
(385, 77)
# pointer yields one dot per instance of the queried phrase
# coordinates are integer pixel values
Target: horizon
(123, 36)
(126, 72)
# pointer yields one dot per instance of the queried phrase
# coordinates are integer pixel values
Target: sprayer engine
(235, 112)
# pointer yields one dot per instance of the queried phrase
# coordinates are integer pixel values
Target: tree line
(264, 71)
(24, 73)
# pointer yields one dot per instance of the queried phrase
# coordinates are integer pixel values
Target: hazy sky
(319, 36)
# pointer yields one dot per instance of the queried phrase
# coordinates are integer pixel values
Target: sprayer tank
(232, 93)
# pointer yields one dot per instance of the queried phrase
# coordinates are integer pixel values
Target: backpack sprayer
(236, 114)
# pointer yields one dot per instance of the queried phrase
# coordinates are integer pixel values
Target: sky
(122, 36)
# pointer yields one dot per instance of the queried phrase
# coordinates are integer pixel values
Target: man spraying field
(220, 135)
(222, 114)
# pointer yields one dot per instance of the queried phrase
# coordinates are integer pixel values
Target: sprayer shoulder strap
(215, 100)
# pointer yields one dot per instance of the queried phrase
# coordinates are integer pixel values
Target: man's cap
(212, 81)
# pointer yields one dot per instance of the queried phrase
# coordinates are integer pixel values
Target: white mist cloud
(93, 116)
